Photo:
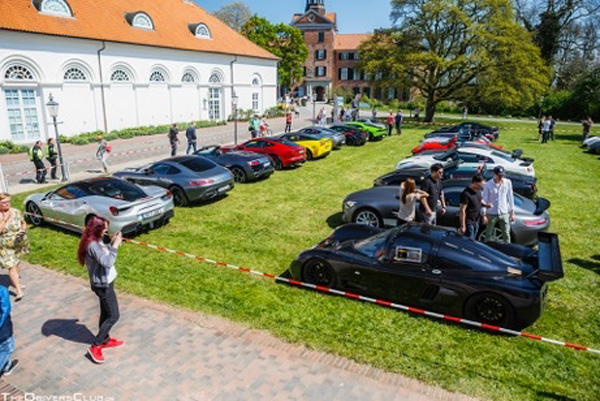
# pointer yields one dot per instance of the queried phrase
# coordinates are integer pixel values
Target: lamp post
(53, 111)
(234, 101)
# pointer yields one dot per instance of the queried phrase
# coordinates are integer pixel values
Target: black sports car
(354, 135)
(378, 207)
(522, 184)
(475, 130)
(245, 166)
(436, 269)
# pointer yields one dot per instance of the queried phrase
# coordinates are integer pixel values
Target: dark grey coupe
(189, 178)
(245, 166)
(378, 207)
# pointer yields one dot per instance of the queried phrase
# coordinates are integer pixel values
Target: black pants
(53, 170)
(390, 129)
(288, 127)
(399, 128)
(173, 148)
(253, 133)
(109, 312)
(552, 134)
(40, 173)
(545, 136)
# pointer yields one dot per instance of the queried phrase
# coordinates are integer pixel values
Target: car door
(158, 175)
(255, 146)
(451, 217)
(66, 204)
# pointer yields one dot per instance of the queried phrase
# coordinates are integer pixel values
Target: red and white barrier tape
(347, 294)
(407, 122)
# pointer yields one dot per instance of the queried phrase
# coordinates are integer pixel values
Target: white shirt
(547, 124)
(407, 210)
(500, 196)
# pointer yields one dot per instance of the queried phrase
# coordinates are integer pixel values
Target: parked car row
(592, 144)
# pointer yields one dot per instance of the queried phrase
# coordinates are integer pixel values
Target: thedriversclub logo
(64, 397)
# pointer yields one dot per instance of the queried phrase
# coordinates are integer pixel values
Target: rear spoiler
(549, 264)
(541, 205)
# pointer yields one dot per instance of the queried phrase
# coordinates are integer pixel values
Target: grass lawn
(265, 225)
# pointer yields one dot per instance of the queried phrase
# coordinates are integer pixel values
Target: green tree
(457, 50)
(235, 15)
(284, 41)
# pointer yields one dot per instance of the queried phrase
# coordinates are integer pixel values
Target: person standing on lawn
(390, 123)
(587, 126)
(398, 120)
(465, 112)
(471, 202)
(288, 122)
(409, 195)
(546, 129)
(36, 155)
(13, 242)
(102, 152)
(173, 139)
(51, 156)
(192, 139)
(7, 342)
(552, 124)
(498, 192)
(435, 201)
(99, 259)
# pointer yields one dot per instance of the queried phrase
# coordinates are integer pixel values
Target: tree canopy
(235, 15)
(284, 41)
(457, 50)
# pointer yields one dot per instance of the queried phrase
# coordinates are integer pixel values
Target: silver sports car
(128, 207)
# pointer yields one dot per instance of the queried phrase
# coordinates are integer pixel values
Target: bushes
(9, 147)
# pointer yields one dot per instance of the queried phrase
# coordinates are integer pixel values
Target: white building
(115, 64)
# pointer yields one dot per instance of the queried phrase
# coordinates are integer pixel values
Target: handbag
(21, 243)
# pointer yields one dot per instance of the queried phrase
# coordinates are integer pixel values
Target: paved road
(173, 354)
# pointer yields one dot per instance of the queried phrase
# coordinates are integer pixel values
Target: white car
(470, 156)
(588, 142)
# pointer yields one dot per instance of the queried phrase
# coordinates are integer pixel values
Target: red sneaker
(95, 352)
(112, 343)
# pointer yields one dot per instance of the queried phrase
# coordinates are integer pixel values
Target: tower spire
(317, 5)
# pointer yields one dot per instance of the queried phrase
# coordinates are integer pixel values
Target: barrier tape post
(346, 294)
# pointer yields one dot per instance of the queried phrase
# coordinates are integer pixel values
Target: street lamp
(53, 111)
(234, 101)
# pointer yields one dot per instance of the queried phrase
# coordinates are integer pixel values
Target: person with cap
(471, 203)
(498, 192)
(435, 201)
(36, 155)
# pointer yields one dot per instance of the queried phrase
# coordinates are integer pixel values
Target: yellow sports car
(315, 147)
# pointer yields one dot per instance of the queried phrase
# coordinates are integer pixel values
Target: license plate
(152, 214)
(267, 164)
(223, 189)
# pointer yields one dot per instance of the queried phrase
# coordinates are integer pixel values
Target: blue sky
(354, 16)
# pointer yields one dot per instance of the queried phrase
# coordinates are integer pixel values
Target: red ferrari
(283, 153)
(442, 144)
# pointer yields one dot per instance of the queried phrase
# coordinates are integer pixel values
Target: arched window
(202, 31)
(74, 74)
(18, 72)
(56, 7)
(143, 21)
(188, 77)
(157, 76)
(215, 78)
(256, 82)
(120, 75)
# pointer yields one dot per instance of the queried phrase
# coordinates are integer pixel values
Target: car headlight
(349, 204)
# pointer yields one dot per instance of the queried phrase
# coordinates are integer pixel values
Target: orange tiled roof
(332, 17)
(105, 20)
(350, 41)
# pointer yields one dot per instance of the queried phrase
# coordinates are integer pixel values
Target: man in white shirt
(498, 192)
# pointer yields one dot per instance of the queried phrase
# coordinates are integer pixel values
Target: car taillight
(529, 170)
(534, 222)
(167, 195)
(113, 210)
(254, 162)
(202, 182)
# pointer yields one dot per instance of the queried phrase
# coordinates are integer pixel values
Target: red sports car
(440, 144)
(283, 153)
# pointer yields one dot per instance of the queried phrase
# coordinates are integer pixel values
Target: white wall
(132, 104)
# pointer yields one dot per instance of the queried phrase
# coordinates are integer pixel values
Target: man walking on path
(288, 122)
(471, 202)
(465, 112)
(390, 123)
(190, 134)
(173, 139)
(102, 152)
(7, 343)
(587, 126)
(374, 114)
(435, 201)
(398, 120)
(254, 126)
(52, 155)
(36, 155)
(498, 192)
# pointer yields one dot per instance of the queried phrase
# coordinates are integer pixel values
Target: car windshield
(288, 142)
(116, 189)
(503, 156)
(372, 246)
(197, 164)
(445, 156)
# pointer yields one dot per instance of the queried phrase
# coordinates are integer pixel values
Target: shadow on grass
(553, 396)
(68, 329)
(335, 220)
(587, 264)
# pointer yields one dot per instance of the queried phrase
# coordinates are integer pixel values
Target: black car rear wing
(550, 266)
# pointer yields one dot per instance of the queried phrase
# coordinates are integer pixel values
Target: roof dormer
(57, 8)
(140, 19)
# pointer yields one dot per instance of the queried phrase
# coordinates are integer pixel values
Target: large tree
(282, 40)
(456, 50)
(235, 15)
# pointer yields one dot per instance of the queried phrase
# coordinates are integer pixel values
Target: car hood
(348, 232)
(380, 192)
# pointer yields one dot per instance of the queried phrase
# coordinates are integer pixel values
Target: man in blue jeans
(471, 202)
(498, 192)
(7, 344)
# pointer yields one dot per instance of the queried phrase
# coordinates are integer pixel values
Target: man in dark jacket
(173, 139)
(190, 134)
(36, 155)
(7, 343)
(52, 156)
(435, 201)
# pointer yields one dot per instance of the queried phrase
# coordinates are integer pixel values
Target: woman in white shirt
(409, 196)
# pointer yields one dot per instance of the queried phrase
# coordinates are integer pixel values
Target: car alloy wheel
(319, 272)
(238, 174)
(34, 210)
(350, 141)
(309, 154)
(367, 217)
(490, 308)
(276, 162)
(179, 197)
(496, 235)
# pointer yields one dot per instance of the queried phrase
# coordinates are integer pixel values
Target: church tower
(316, 5)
